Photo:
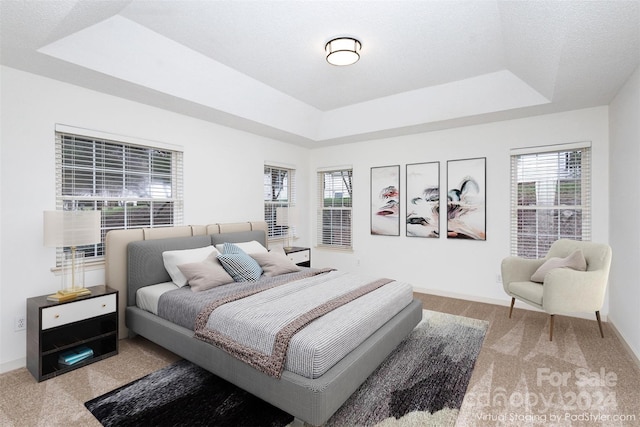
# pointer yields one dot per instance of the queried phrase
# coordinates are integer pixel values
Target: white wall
(458, 267)
(223, 182)
(624, 204)
(222, 178)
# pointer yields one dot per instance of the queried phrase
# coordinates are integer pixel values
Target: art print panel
(385, 200)
(466, 199)
(423, 199)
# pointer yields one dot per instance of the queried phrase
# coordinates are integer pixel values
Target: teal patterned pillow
(240, 266)
(230, 248)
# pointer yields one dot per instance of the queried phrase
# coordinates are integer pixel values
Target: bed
(134, 261)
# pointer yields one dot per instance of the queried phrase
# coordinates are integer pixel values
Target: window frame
(67, 194)
(346, 210)
(538, 190)
(276, 233)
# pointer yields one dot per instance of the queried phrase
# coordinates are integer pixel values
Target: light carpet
(500, 393)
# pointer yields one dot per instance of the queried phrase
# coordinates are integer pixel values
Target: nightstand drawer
(300, 256)
(77, 310)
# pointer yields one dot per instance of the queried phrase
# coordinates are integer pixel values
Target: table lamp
(72, 229)
(286, 217)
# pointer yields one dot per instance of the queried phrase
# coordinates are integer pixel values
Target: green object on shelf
(75, 355)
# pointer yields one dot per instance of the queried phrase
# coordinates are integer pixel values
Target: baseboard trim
(627, 347)
(13, 365)
(506, 302)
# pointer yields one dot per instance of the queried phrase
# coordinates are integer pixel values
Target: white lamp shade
(286, 216)
(71, 228)
(343, 51)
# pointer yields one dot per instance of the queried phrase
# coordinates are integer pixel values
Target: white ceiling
(259, 65)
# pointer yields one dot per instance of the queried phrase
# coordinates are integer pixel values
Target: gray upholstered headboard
(117, 242)
(145, 265)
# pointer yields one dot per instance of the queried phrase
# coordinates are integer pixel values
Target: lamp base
(76, 292)
(58, 297)
(68, 294)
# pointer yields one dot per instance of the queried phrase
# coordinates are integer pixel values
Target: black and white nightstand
(55, 328)
(301, 256)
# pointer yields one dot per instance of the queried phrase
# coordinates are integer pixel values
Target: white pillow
(251, 247)
(174, 258)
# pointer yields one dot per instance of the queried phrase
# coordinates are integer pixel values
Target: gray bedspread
(254, 322)
(182, 306)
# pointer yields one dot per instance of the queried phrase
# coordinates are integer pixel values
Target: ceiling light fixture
(343, 51)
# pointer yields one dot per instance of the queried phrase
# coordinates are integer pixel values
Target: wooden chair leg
(551, 328)
(513, 301)
(599, 323)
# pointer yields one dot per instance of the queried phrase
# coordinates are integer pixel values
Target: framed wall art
(423, 199)
(466, 199)
(385, 200)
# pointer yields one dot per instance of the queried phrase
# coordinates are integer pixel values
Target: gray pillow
(206, 274)
(574, 261)
(274, 263)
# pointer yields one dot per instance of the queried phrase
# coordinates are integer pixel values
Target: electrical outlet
(498, 278)
(20, 323)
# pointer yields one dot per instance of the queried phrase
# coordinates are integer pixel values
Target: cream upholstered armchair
(563, 290)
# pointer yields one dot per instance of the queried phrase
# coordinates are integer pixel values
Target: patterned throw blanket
(273, 363)
(182, 306)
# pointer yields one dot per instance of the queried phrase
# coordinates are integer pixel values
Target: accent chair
(560, 290)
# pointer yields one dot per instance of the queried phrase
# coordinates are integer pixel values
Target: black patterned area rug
(422, 382)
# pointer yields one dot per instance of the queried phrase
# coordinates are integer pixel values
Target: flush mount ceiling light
(343, 51)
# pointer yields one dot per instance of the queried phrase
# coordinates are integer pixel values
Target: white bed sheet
(147, 297)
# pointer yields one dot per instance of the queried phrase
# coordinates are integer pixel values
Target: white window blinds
(133, 186)
(335, 201)
(550, 197)
(279, 201)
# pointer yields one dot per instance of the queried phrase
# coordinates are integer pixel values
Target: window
(279, 200)
(335, 201)
(134, 186)
(550, 197)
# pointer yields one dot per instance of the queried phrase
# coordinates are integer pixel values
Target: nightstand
(55, 328)
(301, 256)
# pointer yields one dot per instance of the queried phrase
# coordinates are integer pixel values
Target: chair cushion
(575, 261)
(529, 291)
